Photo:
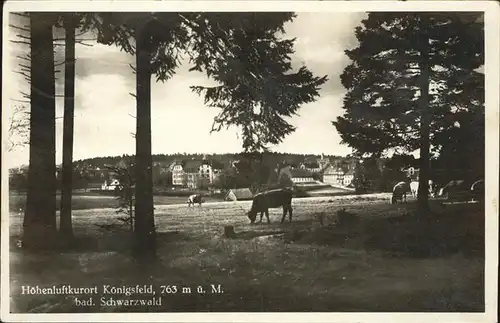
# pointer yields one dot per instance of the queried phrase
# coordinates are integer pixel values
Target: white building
(178, 178)
(333, 175)
(348, 178)
(194, 173)
(296, 175)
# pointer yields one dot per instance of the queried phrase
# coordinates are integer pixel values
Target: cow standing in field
(399, 192)
(193, 199)
(262, 202)
(414, 188)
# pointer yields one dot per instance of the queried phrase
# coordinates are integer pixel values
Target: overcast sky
(180, 120)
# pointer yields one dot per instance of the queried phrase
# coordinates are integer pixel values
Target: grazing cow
(195, 198)
(271, 199)
(399, 192)
(455, 190)
(477, 190)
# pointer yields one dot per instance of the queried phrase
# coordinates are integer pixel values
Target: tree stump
(229, 231)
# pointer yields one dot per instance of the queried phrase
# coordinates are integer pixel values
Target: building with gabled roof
(296, 175)
(333, 175)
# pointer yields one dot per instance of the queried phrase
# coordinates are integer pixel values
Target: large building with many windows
(337, 176)
(178, 175)
(195, 173)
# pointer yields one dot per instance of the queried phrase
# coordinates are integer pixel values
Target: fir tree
(239, 50)
(39, 227)
(411, 74)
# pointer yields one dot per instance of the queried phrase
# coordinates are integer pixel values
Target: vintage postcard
(250, 161)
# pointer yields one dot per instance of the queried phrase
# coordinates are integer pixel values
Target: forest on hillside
(224, 159)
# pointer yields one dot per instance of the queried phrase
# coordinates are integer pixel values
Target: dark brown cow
(262, 202)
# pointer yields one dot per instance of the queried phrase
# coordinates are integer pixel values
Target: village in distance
(234, 177)
(227, 176)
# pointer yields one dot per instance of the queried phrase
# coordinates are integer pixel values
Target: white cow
(414, 189)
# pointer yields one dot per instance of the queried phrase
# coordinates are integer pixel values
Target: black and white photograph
(224, 161)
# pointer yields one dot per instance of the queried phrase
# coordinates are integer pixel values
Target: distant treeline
(224, 159)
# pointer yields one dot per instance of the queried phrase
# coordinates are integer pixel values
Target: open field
(95, 200)
(17, 201)
(327, 191)
(388, 260)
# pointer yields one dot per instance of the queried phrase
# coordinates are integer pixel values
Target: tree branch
(64, 62)
(23, 37)
(20, 42)
(23, 74)
(81, 43)
(21, 101)
(83, 39)
(19, 28)
(24, 58)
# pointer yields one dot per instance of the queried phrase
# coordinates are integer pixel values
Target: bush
(125, 193)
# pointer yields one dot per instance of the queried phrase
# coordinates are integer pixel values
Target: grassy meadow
(385, 260)
(86, 201)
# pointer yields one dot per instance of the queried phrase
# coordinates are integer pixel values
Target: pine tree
(257, 86)
(239, 50)
(38, 125)
(410, 72)
(39, 227)
(70, 23)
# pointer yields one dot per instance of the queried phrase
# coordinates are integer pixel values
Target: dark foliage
(248, 56)
(412, 76)
(381, 109)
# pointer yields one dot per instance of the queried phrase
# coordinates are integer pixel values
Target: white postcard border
(492, 68)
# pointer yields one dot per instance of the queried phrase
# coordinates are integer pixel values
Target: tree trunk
(66, 229)
(424, 173)
(39, 227)
(144, 211)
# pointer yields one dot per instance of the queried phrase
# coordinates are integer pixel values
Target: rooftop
(311, 164)
(297, 172)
